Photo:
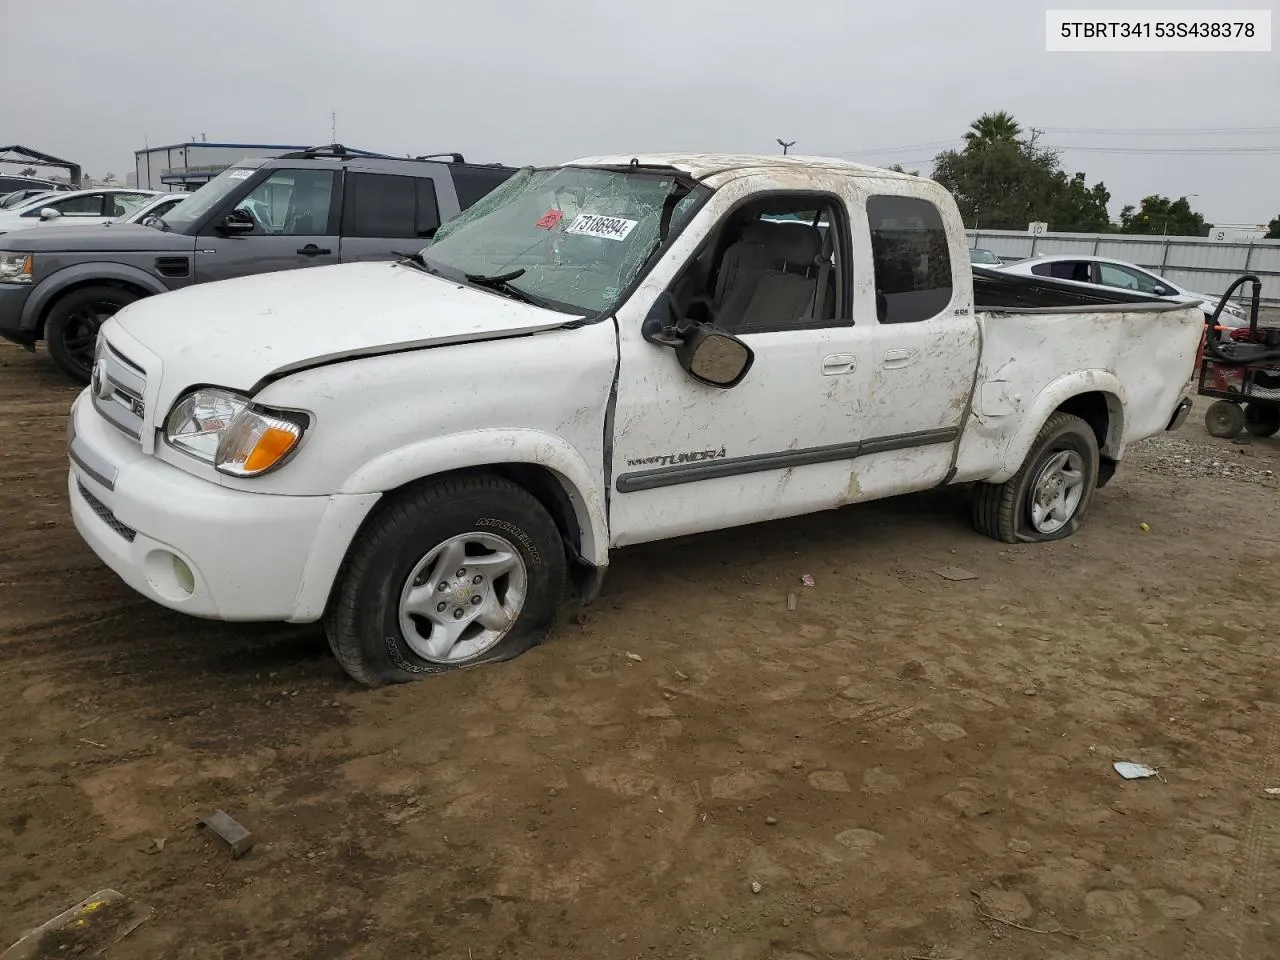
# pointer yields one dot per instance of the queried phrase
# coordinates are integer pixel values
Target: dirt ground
(905, 765)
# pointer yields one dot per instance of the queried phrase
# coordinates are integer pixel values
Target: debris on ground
(636, 657)
(755, 886)
(1133, 771)
(1144, 527)
(791, 601)
(84, 923)
(233, 834)
(955, 573)
(807, 579)
(1272, 791)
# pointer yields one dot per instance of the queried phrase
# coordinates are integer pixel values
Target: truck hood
(236, 333)
(95, 238)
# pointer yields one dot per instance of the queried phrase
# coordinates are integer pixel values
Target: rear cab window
(911, 257)
(389, 206)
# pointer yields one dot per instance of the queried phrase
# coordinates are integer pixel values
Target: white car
(426, 454)
(79, 207)
(1122, 275)
(157, 207)
(984, 258)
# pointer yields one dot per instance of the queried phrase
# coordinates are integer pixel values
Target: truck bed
(997, 291)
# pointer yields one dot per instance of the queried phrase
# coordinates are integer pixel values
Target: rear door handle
(311, 250)
(899, 357)
(838, 363)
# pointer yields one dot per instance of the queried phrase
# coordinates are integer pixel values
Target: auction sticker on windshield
(606, 228)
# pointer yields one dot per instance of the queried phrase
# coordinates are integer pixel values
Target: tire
(1262, 419)
(1224, 419)
(378, 641)
(1006, 511)
(71, 328)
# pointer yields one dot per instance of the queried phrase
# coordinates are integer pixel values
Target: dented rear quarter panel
(1033, 362)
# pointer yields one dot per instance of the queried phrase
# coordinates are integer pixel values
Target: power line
(1219, 151)
(898, 149)
(1159, 131)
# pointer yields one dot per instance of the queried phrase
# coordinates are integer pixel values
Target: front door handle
(838, 363)
(311, 250)
(899, 357)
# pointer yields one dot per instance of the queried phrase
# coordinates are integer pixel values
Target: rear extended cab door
(385, 213)
(916, 297)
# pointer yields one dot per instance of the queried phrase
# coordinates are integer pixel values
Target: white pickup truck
(433, 455)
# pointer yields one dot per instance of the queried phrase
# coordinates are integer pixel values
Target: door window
(89, 205)
(1113, 275)
(123, 204)
(291, 203)
(911, 259)
(777, 264)
(1077, 270)
(391, 207)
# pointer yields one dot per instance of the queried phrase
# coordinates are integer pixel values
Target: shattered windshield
(572, 238)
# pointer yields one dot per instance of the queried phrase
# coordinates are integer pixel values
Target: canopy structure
(16, 153)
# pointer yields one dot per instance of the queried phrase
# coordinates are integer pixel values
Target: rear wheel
(1048, 497)
(1262, 419)
(71, 329)
(1224, 419)
(451, 574)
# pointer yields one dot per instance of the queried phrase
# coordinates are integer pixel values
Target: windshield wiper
(501, 282)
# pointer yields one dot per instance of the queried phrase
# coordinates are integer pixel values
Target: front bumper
(197, 547)
(13, 298)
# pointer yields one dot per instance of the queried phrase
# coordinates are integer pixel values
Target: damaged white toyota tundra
(432, 456)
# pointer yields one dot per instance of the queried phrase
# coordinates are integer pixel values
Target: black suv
(320, 206)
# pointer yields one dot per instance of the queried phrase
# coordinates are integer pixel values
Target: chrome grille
(118, 387)
(105, 515)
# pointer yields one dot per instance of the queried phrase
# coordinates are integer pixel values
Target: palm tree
(992, 128)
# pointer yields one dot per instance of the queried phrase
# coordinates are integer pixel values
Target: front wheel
(71, 329)
(454, 573)
(1048, 497)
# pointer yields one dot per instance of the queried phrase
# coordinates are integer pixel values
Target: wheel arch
(79, 277)
(1095, 396)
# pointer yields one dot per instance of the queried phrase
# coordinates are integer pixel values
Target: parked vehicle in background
(619, 350)
(21, 197)
(984, 258)
(79, 207)
(8, 184)
(1121, 275)
(156, 207)
(307, 209)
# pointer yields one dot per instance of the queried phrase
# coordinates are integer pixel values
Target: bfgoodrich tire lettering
(1062, 461)
(453, 573)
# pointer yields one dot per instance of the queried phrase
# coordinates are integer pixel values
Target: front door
(295, 217)
(688, 457)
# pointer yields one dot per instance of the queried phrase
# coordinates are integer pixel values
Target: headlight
(16, 267)
(225, 429)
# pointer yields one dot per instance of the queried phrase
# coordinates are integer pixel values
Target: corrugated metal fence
(1206, 266)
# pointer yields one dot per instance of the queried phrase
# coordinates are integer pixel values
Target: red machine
(1241, 367)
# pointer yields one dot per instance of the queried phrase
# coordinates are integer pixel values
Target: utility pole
(786, 145)
(333, 126)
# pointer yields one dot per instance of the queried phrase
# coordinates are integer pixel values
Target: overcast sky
(537, 82)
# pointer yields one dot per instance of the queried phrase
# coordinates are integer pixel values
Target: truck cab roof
(703, 166)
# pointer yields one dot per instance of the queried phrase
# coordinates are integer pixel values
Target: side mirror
(1162, 291)
(237, 221)
(49, 213)
(150, 221)
(714, 357)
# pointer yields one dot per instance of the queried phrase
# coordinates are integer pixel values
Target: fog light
(182, 573)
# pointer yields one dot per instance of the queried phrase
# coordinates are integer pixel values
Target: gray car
(317, 207)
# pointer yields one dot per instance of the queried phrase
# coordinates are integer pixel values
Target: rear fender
(1050, 399)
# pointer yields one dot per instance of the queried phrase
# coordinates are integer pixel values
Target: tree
(28, 172)
(990, 128)
(898, 168)
(1002, 179)
(1273, 230)
(1160, 216)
